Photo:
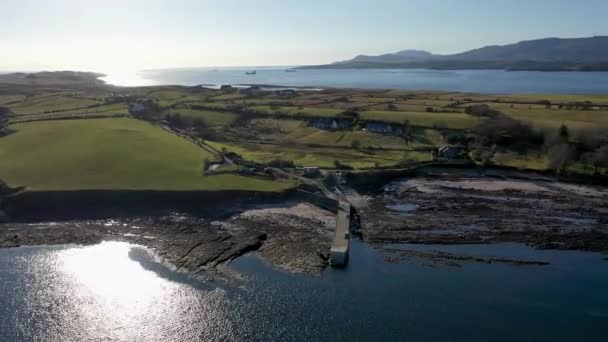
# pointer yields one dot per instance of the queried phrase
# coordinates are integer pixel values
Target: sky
(144, 34)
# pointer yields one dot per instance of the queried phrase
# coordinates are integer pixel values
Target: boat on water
(251, 72)
(290, 70)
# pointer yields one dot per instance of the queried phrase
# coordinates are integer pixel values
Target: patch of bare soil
(461, 210)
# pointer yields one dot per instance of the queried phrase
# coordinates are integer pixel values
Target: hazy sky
(135, 34)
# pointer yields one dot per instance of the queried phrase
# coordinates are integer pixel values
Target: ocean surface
(119, 292)
(478, 81)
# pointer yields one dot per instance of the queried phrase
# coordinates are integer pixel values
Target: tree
(483, 155)
(482, 110)
(560, 155)
(587, 159)
(356, 144)
(407, 132)
(504, 130)
(564, 133)
(559, 150)
(600, 158)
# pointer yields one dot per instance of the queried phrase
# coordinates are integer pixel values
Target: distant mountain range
(549, 54)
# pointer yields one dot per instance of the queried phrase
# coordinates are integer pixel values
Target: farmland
(85, 137)
(120, 153)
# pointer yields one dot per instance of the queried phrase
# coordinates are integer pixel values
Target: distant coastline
(548, 54)
(476, 81)
(471, 65)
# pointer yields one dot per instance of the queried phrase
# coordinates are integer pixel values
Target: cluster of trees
(483, 110)
(592, 149)
(559, 150)
(182, 122)
(586, 105)
(589, 147)
(151, 112)
(502, 130)
(498, 131)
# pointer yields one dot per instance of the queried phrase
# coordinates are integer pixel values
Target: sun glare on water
(126, 78)
(107, 272)
(104, 292)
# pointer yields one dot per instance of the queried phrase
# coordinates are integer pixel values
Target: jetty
(338, 204)
(341, 243)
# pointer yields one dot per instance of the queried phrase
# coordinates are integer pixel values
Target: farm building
(330, 124)
(381, 127)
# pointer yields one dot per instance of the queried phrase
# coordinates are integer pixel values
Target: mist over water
(119, 292)
(477, 81)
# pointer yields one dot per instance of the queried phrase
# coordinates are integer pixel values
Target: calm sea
(479, 81)
(118, 292)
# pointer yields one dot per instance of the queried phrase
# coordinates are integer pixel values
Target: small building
(379, 127)
(330, 124)
(451, 153)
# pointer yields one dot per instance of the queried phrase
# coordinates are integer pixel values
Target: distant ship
(290, 70)
(251, 72)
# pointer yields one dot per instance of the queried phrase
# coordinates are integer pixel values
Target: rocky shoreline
(463, 209)
(294, 237)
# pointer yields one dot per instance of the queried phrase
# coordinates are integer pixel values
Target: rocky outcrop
(293, 237)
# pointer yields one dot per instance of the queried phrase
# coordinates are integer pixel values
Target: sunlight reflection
(107, 272)
(126, 78)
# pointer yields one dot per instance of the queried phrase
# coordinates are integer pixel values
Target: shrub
(339, 165)
(482, 110)
(280, 163)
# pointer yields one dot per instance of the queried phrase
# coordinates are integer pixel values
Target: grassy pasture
(423, 119)
(317, 156)
(118, 153)
(211, 118)
(44, 103)
(553, 118)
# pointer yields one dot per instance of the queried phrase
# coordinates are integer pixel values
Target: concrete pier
(341, 243)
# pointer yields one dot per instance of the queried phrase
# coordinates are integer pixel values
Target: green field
(318, 156)
(423, 119)
(552, 119)
(211, 118)
(260, 126)
(43, 103)
(118, 153)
